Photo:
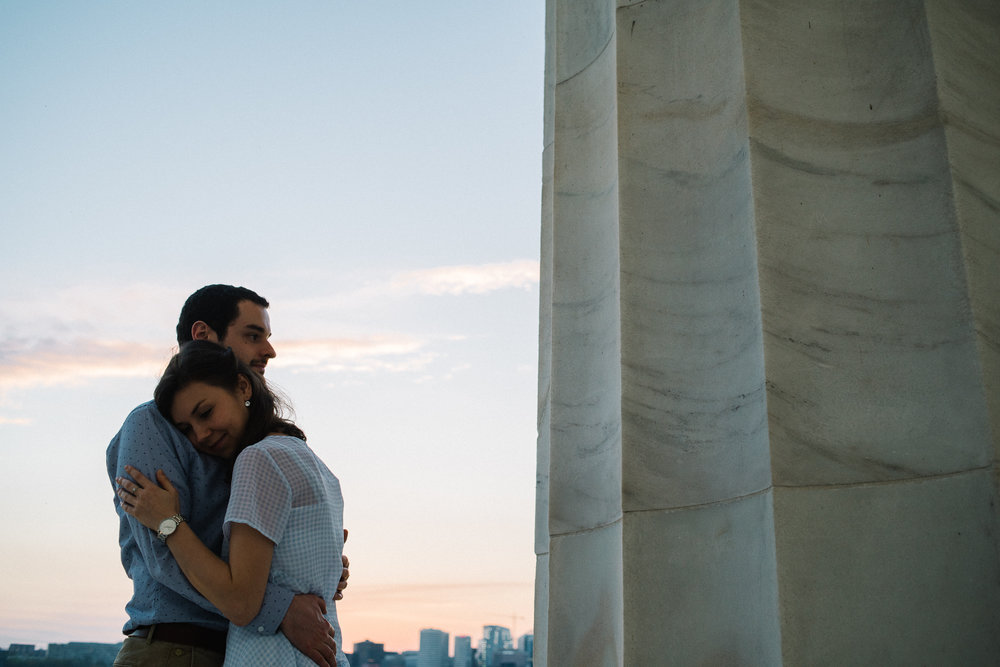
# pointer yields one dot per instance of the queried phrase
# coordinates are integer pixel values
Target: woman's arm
(236, 587)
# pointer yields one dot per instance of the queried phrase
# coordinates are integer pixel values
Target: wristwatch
(168, 526)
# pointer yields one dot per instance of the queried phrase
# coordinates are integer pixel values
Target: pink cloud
(469, 279)
(367, 354)
(50, 362)
(47, 362)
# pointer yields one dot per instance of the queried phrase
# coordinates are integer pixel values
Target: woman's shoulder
(284, 455)
(282, 440)
(276, 442)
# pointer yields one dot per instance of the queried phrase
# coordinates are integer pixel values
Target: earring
(247, 403)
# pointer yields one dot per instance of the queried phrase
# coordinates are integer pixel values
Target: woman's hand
(145, 500)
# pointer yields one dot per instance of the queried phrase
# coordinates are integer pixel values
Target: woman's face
(211, 417)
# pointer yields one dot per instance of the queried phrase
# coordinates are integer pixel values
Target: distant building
(526, 643)
(433, 648)
(495, 638)
(392, 660)
(509, 657)
(21, 651)
(367, 653)
(84, 653)
(463, 651)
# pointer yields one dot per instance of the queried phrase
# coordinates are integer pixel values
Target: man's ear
(201, 331)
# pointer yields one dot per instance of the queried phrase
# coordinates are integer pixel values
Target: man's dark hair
(218, 306)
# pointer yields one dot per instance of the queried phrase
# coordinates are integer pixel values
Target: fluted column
(585, 601)
(965, 40)
(542, 480)
(880, 437)
(699, 559)
(769, 400)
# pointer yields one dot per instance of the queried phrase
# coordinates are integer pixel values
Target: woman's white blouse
(284, 491)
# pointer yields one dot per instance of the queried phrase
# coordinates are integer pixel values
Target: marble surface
(585, 435)
(699, 561)
(769, 387)
(862, 275)
(544, 453)
(693, 397)
(541, 617)
(879, 424)
(965, 36)
(889, 574)
(701, 585)
(585, 598)
(584, 611)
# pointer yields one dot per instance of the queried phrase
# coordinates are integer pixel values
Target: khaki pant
(143, 652)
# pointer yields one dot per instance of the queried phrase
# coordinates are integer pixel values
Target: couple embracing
(231, 528)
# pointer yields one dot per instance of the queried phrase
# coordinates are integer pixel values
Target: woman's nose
(200, 433)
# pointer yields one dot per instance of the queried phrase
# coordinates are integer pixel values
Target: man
(168, 619)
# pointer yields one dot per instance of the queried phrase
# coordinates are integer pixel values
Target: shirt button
(260, 628)
(178, 651)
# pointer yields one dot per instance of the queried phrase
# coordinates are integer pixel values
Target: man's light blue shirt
(161, 592)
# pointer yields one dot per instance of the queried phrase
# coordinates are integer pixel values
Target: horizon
(451, 638)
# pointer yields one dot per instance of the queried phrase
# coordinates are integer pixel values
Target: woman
(285, 515)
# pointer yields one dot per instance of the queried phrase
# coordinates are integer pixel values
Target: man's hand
(344, 575)
(308, 630)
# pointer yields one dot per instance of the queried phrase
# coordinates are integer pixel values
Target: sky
(374, 171)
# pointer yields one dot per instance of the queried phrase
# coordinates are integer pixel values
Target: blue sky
(374, 170)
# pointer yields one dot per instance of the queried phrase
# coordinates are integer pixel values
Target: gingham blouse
(284, 491)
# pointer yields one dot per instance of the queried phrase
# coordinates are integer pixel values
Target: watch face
(168, 526)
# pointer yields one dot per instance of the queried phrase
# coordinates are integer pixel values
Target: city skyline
(453, 637)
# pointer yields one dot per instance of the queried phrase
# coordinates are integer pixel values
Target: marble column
(965, 39)
(769, 389)
(584, 401)
(699, 560)
(543, 461)
(879, 428)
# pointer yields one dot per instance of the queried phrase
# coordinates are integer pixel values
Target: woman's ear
(243, 388)
(201, 331)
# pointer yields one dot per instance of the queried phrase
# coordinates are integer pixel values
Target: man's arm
(149, 443)
(144, 443)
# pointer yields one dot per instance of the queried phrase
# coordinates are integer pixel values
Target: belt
(183, 633)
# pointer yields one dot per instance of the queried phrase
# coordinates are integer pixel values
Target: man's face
(248, 336)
